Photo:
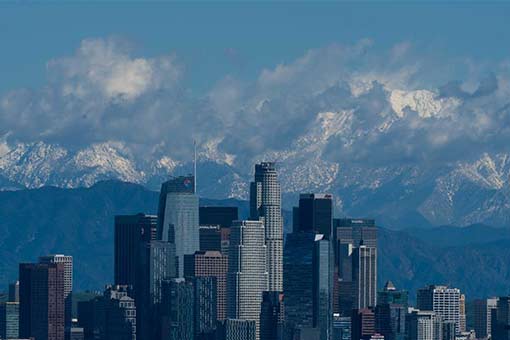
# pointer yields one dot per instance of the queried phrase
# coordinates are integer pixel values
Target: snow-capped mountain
(320, 159)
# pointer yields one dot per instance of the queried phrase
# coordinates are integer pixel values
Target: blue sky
(427, 80)
(215, 39)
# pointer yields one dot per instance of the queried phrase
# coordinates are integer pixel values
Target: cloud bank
(105, 92)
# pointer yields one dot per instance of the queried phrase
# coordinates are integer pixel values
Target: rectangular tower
(364, 274)
(247, 271)
(178, 220)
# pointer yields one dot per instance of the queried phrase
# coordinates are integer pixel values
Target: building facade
(265, 205)
(9, 320)
(247, 271)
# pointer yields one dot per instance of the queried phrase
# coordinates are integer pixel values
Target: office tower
(298, 281)
(424, 325)
(272, 316)
(316, 213)
(362, 323)
(323, 286)
(132, 232)
(482, 316)
(265, 205)
(178, 217)
(390, 312)
(41, 294)
(210, 264)
(462, 320)
(68, 282)
(390, 321)
(88, 319)
(390, 295)
(156, 263)
(214, 238)
(14, 292)
(75, 333)
(9, 320)
(500, 320)
(449, 332)
(204, 310)
(341, 327)
(247, 271)
(443, 300)
(117, 314)
(235, 329)
(177, 310)
(364, 274)
(215, 215)
(349, 235)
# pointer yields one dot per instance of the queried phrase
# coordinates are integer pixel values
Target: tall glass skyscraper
(247, 271)
(178, 219)
(323, 286)
(265, 205)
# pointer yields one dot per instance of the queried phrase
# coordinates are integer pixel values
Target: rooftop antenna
(195, 166)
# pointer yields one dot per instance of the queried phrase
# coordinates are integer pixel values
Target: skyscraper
(217, 215)
(500, 327)
(14, 292)
(443, 300)
(424, 325)
(9, 320)
(247, 271)
(390, 312)
(323, 286)
(364, 274)
(210, 264)
(42, 301)
(157, 263)
(117, 314)
(132, 232)
(265, 205)
(178, 220)
(298, 281)
(68, 282)
(362, 323)
(272, 316)
(316, 213)
(235, 329)
(349, 235)
(177, 310)
(482, 316)
(204, 309)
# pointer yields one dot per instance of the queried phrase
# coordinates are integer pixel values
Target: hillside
(80, 222)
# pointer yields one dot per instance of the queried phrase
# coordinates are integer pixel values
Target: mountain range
(79, 222)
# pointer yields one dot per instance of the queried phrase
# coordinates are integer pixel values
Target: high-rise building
(42, 303)
(482, 316)
(364, 276)
(117, 314)
(214, 238)
(500, 319)
(443, 300)
(265, 205)
(204, 310)
(13, 292)
(68, 282)
(424, 325)
(156, 263)
(323, 286)
(362, 323)
(132, 232)
(390, 312)
(210, 264)
(272, 316)
(349, 235)
(217, 215)
(235, 329)
(341, 327)
(316, 214)
(247, 271)
(178, 221)
(177, 310)
(9, 320)
(462, 320)
(298, 281)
